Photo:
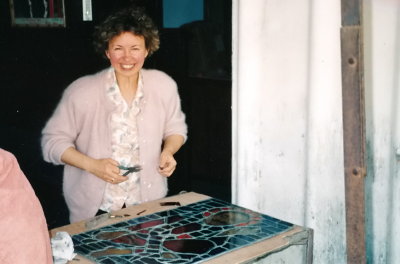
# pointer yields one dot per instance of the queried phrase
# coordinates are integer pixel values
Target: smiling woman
(45, 13)
(121, 117)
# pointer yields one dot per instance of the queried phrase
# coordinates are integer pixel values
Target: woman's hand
(107, 170)
(167, 163)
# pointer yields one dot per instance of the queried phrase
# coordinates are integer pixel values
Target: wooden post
(353, 128)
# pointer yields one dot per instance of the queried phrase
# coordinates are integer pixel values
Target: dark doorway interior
(36, 64)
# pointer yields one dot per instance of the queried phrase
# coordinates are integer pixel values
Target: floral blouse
(125, 148)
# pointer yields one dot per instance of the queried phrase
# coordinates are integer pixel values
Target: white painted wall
(382, 73)
(287, 120)
(287, 116)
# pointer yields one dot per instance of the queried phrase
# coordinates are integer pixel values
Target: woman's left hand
(167, 163)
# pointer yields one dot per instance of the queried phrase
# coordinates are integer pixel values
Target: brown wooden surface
(242, 255)
(353, 129)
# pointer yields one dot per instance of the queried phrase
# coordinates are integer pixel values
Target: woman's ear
(107, 54)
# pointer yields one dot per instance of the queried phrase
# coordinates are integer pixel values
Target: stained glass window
(187, 234)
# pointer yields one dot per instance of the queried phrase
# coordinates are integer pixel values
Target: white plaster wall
(287, 116)
(287, 128)
(382, 60)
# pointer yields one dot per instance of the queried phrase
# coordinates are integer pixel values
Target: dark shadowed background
(37, 63)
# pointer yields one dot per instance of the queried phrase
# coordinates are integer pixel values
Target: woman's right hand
(107, 170)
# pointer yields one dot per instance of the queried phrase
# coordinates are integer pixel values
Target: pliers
(135, 168)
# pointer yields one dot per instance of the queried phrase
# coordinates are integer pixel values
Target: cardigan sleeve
(175, 122)
(60, 130)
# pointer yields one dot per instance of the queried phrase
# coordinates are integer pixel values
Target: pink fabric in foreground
(24, 237)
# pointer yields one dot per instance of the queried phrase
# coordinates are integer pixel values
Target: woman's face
(127, 53)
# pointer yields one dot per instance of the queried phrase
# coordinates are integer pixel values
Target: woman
(114, 120)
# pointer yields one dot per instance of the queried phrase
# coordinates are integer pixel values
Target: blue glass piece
(217, 251)
(122, 224)
(107, 261)
(218, 240)
(149, 261)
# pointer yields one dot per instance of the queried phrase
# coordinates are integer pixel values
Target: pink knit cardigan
(82, 120)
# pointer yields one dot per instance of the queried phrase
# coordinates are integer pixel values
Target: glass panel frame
(37, 13)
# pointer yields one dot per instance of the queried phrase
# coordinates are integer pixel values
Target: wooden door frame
(353, 128)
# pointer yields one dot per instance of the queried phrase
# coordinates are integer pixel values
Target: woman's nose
(127, 53)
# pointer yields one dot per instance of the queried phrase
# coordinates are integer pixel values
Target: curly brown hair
(133, 20)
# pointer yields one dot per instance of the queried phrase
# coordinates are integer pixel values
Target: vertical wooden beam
(353, 128)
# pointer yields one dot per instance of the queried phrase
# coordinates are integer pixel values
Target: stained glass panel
(187, 234)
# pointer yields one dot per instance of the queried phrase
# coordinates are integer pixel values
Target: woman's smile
(127, 66)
